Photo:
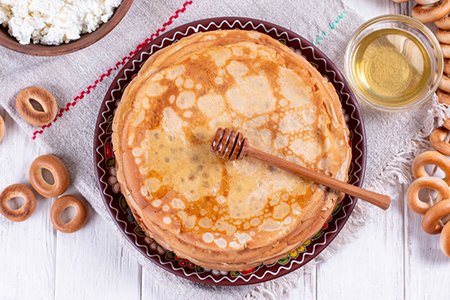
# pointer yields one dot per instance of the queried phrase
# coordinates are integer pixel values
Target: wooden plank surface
(426, 266)
(372, 260)
(91, 264)
(27, 249)
(392, 258)
(38, 262)
(151, 290)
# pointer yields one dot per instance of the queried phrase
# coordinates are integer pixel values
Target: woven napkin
(80, 80)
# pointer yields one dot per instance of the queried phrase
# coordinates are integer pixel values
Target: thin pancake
(232, 216)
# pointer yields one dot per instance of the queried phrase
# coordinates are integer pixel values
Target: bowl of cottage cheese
(56, 27)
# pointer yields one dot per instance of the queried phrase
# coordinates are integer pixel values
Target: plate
(120, 212)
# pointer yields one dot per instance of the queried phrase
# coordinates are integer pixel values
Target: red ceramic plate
(119, 210)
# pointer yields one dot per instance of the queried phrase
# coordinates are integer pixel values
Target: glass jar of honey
(393, 63)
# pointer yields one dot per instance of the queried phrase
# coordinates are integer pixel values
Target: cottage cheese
(52, 22)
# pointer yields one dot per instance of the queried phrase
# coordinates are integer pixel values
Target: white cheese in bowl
(52, 22)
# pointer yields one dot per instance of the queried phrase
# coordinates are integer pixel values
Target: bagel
(25, 211)
(426, 2)
(443, 23)
(431, 13)
(430, 222)
(443, 97)
(31, 114)
(443, 36)
(59, 172)
(437, 140)
(78, 220)
(445, 50)
(447, 66)
(445, 240)
(446, 124)
(434, 183)
(2, 128)
(445, 83)
(431, 158)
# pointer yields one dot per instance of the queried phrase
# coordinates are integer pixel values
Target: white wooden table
(391, 258)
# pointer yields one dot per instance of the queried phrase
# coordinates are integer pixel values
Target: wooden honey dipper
(230, 144)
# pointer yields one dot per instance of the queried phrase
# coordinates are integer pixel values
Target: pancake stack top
(228, 215)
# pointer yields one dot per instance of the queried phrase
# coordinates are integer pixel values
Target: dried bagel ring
(58, 171)
(431, 13)
(437, 140)
(445, 50)
(447, 66)
(445, 239)
(446, 124)
(431, 158)
(443, 36)
(443, 97)
(2, 128)
(443, 23)
(29, 113)
(426, 2)
(434, 183)
(430, 222)
(25, 211)
(445, 83)
(77, 222)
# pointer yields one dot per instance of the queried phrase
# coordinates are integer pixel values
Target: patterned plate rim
(328, 70)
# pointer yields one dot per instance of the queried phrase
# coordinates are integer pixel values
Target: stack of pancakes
(219, 214)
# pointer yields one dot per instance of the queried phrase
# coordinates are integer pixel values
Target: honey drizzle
(155, 115)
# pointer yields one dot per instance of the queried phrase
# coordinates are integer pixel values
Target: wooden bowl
(85, 40)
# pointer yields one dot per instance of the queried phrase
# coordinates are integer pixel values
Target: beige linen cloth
(80, 80)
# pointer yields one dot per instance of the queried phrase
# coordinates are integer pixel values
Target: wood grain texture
(27, 251)
(90, 264)
(40, 263)
(150, 288)
(382, 201)
(426, 267)
(372, 260)
(230, 144)
(307, 285)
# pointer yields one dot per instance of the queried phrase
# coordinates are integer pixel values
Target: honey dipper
(230, 144)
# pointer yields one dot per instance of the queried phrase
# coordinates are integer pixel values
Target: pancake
(218, 214)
